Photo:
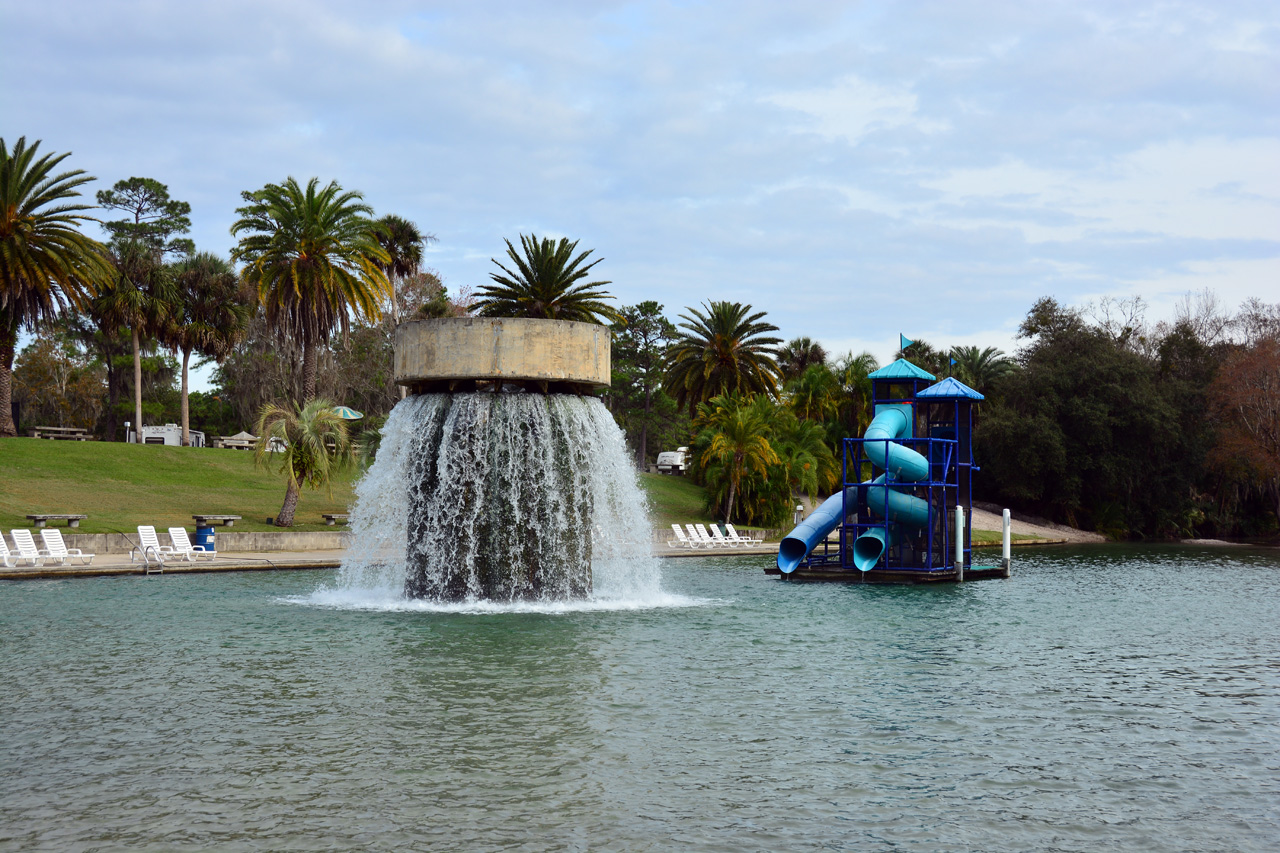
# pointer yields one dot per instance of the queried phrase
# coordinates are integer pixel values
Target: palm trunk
(186, 410)
(8, 343)
(644, 429)
(137, 385)
(728, 512)
(285, 518)
(308, 372)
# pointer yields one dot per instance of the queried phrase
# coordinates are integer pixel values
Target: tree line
(1099, 419)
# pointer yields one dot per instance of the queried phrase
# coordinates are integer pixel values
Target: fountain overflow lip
(467, 353)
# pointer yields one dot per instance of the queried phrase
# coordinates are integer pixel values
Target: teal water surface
(1102, 698)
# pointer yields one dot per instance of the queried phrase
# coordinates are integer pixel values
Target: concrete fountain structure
(513, 470)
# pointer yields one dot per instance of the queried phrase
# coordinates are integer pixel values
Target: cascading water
(504, 497)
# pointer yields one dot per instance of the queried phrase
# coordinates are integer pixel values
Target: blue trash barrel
(204, 538)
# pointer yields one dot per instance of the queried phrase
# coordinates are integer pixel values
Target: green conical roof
(901, 369)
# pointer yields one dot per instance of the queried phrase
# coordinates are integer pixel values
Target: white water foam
(625, 574)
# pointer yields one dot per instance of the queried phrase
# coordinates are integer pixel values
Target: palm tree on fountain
(46, 264)
(313, 255)
(727, 349)
(546, 283)
(309, 444)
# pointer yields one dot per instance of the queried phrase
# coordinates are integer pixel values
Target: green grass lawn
(674, 500)
(120, 486)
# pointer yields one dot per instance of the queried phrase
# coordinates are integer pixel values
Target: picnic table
(41, 518)
(207, 520)
(60, 433)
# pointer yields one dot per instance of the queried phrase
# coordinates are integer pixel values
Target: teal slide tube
(903, 462)
(798, 543)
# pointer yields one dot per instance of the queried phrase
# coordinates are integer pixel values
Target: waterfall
(501, 497)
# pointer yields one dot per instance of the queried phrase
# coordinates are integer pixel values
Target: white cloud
(853, 107)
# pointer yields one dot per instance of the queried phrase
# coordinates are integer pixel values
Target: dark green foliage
(46, 264)
(648, 416)
(1091, 432)
(546, 283)
(152, 219)
(727, 350)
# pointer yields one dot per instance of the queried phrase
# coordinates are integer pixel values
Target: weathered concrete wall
(508, 349)
(273, 540)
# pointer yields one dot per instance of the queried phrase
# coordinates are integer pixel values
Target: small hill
(120, 486)
(674, 500)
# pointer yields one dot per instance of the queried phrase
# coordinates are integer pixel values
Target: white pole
(959, 542)
(1007, 540)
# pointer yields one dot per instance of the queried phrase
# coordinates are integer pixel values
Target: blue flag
(904, 341)
(953, 362)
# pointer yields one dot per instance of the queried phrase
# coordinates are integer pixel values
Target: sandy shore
(988, 517)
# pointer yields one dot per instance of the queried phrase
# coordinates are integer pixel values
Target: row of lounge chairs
(56, 552)
(698, 537)
(151, 552)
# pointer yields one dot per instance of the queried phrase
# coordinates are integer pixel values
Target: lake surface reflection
(1102, 698)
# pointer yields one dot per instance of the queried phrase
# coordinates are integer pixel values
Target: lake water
(1101, 699)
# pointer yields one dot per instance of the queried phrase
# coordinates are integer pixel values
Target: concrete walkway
(245, 561)
(260, 561)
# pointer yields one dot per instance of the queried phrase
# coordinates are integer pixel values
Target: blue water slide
(905, 464)
(797, 544)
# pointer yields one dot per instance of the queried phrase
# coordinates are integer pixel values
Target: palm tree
(980, 369)
(924, 355)
(814, 395)
(46, 264)
(738, 441)
(315, 447)
(313, 256)
(798, 355)
(545, 284)
(854, 374)
(212, 317)
(403, 242)
(142, 297)
(727, 349)
(801, 446)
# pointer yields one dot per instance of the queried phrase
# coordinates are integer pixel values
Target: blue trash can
(204, 538)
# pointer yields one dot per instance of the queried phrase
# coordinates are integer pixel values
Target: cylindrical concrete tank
(548, 355)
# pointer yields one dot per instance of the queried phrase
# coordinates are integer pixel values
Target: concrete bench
(72, 520)
(207, 520)
(61, 433)
(332, 518)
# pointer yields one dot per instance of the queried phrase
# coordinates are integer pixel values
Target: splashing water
(516, 500)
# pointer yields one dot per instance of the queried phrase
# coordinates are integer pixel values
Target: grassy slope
(674, 499)
(120, 486)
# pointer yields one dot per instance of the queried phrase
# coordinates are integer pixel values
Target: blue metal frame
(932, 547)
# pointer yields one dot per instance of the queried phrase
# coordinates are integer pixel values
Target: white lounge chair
(12, 560)
(56, 549)
(26, 546)
(681, 540)
(706, 537)
(741, 540)
(183, 548)
(149, 549)
(720, 539)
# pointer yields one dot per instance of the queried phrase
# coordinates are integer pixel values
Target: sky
(855, 170)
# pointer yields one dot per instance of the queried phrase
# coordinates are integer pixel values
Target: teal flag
(904, 341)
